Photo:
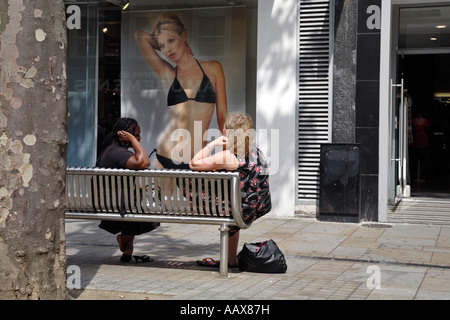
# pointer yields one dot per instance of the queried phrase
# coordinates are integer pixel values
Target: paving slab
(326, 261)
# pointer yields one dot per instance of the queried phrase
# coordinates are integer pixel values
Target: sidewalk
(326, 261)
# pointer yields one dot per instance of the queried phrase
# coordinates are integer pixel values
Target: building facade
(337, 89)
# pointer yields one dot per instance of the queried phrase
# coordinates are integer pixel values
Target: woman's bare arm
(147, 46)
(221, 94)
(140, 159)
(204, 161)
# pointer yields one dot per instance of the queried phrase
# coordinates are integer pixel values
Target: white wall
(276, 98)
(384, 143)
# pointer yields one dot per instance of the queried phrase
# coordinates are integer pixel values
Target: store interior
(427, 83)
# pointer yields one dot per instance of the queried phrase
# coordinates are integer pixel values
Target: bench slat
(149, 218)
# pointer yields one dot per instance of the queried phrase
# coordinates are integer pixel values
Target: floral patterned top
(254, 172)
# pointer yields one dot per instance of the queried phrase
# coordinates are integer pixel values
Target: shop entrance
(416, 59)
(426, 79)
(420, 113)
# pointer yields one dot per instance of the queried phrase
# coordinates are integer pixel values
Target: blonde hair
(168, 21)
(240, 132)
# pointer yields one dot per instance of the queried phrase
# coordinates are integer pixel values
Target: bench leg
(223, 268)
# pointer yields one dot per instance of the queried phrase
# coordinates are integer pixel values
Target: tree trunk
(33, 144)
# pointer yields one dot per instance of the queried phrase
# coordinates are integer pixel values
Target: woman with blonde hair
(195, 89)
(240, 153)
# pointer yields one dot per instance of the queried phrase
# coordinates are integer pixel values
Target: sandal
(210, 262)
(125, 257)
(143, 258)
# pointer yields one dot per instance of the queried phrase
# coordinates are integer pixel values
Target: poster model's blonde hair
(168, 21)
(240, 132)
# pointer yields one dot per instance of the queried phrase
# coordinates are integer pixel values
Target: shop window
(424, 27)
(81, 82)
(108, 77)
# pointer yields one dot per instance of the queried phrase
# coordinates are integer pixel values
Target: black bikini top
(205, 92)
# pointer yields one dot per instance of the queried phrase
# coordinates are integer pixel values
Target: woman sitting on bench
(126, 134)
(240, 153)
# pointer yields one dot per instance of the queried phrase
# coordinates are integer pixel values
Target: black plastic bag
(263, 257)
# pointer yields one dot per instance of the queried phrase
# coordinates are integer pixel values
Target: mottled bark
(33, 143)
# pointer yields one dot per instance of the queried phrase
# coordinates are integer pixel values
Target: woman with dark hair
(126, 133)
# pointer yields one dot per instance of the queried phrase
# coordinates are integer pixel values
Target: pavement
(326, 261)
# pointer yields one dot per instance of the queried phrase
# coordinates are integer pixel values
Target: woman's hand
(126, 138)
(148, 45)
(140, 160)
(219, 142)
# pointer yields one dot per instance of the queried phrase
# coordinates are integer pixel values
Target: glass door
(421, 30)
(399, 122)
(423, 63)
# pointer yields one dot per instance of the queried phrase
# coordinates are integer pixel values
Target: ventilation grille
(313, 108)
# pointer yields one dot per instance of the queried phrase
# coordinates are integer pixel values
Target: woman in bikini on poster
(194, 90)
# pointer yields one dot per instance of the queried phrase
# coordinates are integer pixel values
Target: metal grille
(314, 93)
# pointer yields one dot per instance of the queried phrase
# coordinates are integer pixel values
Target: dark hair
(126, 124)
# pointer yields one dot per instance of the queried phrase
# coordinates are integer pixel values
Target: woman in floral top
(240, 153)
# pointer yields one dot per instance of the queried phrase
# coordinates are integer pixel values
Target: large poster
(181, 71)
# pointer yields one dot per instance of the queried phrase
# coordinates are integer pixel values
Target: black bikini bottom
(169, 164)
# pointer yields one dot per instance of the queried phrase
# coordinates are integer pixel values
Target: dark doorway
(427, 80)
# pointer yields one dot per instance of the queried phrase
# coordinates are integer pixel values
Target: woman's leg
(125, 243)
(121, 242)
(233, 242)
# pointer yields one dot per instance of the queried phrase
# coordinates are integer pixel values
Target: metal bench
(165, 196)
